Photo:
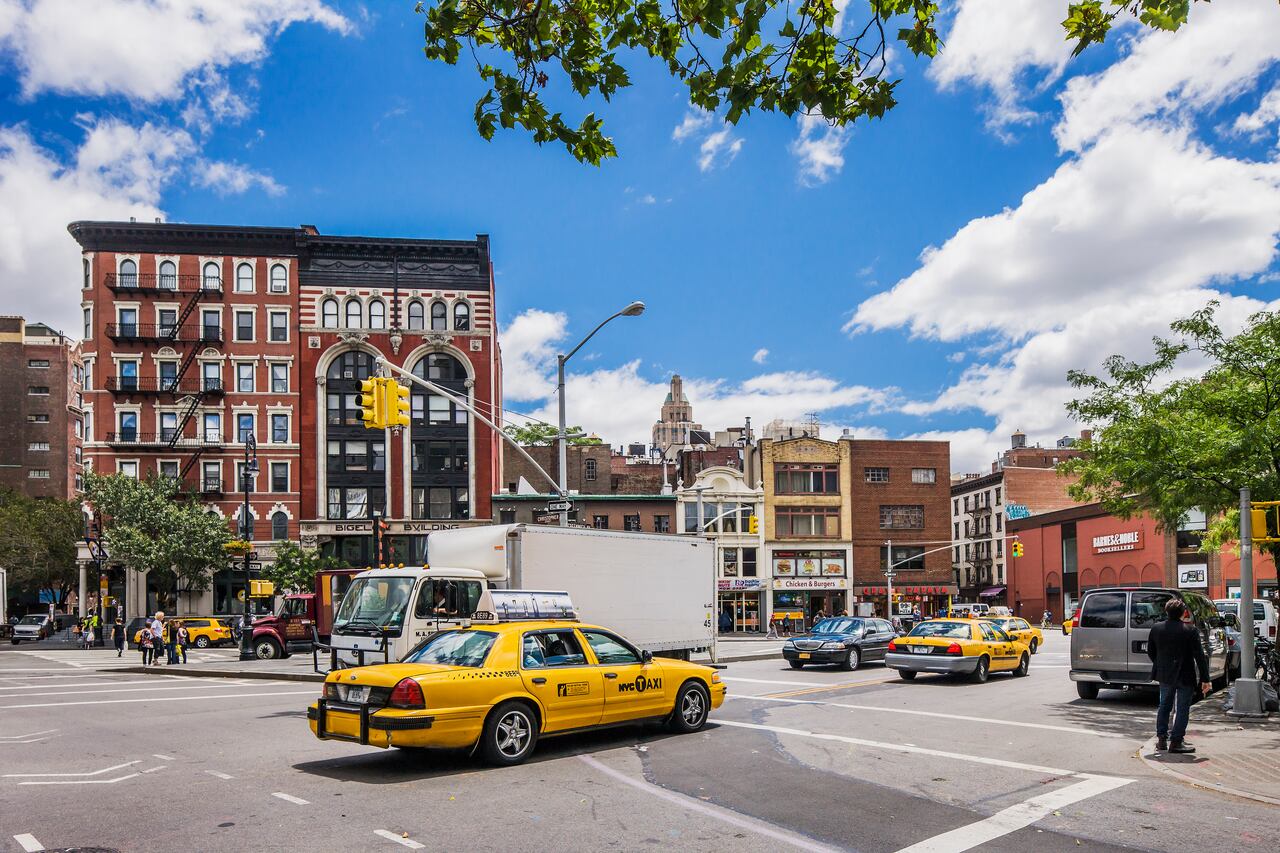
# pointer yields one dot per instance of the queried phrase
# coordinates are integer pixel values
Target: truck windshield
(455, 648)
(374, 603)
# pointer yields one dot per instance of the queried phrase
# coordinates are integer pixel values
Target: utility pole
(246, 532)
(888, 577)
(1248, 701)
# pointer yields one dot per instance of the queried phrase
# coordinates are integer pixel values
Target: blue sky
(1018, 215)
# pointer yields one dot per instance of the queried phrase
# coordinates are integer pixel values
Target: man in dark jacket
(1178, 655)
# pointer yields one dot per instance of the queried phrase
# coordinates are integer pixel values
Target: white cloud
(232, 178)
(647, 198)
(1216, 58)
(1267, 114)
(994, 43)
(819, 148)
(718, 149)
(529, 353)
(693, 124)
(146, 50)
(761, 356)
(1144, 212)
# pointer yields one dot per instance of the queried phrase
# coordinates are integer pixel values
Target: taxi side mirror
(646, 656)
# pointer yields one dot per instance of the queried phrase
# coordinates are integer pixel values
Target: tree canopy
(813, 57)
(294, 568)
(38, 543)
(1169, 438)
(535, 433)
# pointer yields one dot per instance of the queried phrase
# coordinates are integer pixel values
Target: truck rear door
(1100, 640)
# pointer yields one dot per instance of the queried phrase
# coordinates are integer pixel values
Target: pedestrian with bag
(145, 644)
(117, 636)
(157, 636)
(180, 638)
(171, 640)
(1178, 658)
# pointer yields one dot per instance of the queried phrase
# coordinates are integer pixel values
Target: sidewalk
(1233, 755)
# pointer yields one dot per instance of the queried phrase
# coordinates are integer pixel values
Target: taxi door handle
(611, 675)
(539, 681)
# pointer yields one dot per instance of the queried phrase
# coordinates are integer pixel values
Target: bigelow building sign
(1128, 541)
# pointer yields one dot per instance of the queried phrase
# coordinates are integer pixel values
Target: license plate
(920, 650)
(804, 656)
(357, 695)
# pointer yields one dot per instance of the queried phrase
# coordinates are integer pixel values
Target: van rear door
(1100, 640)
(1146, 608)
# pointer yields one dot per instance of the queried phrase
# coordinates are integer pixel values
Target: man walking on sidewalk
(1178, 656)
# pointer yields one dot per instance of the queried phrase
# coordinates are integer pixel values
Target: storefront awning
(991, 592)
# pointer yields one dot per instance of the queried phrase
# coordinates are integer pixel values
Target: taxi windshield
(374, 603)
(950, 630)
(454, 648)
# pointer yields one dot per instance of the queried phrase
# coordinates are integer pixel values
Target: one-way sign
(560, 506)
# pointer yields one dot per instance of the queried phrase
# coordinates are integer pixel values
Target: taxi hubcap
(513, 733)
(691, 709)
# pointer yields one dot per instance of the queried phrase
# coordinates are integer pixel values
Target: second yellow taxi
(972, 647)
(1019, 629)
(497, 687)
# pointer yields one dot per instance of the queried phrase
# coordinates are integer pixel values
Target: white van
(1264, 614)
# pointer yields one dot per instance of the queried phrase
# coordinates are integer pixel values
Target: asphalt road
(814, 759)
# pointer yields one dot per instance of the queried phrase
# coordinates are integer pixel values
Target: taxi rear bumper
(952, 664)
(385, 728)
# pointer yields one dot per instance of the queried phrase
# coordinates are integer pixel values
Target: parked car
(844, 640)
(31, 628)
(1264, 614)
(1109, 642)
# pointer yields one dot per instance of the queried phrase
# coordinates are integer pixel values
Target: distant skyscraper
(675, 426)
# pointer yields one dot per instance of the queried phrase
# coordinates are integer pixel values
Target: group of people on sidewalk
(163, 637)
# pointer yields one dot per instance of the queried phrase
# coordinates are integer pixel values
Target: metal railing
(156, 283)
(162, 385)
(164, 332)
(164, 438)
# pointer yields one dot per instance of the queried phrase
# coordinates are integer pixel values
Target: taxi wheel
(202, 642)
(509, 734)
(1034, 645)
(852, 661)
(982, 670)
(907, 674)
(1024, 667)
(693, 704)
(795, 664)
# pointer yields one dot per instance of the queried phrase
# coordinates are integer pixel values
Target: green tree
(149, 527)
(1168, 437)
(535, 433)
(38, 543)
(294, 567)
(733, 55)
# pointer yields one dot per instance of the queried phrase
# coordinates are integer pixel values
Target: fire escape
(185, 293)
(980, 532)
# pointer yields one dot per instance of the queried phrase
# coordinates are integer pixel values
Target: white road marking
(82, 781)
(219, 775)
(1015, 817)
(167, 686)
(154, 769)
(403, 842)
(163, 757)
(164, 699)
(28, 734)
(901, 747)
(169, 679)
(16, 742)
(28, 842)
(63, 775)
(788, 683)
(1018, 723)
(289, 798)
(759, 827)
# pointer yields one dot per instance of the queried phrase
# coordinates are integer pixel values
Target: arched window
(377, 314)
(244, 279)
(354, 314)
(461, 316)
(168, 275)
(212, 276)
(441, 447)
(416, 319)
(128, 273)
(355, 458)
(279, 279)
(440, 366)
(279, 525)
(88, 278)
(439, 317)
(329, 314)
(354, 365)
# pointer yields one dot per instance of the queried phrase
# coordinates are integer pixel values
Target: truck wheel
(509, 734)
(1086, 690)
(693, 704)
(202, 642)
(266, 649)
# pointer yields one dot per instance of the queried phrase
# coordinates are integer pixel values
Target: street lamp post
(246, 479)
(635, 309)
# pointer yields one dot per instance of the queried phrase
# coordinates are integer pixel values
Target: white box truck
(656, 590)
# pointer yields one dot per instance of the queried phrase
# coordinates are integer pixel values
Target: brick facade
(643, 513)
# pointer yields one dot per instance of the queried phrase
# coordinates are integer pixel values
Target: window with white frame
(244, 426)
(354, 315)
(279, 279)
(168, 425)
(212, 424)
(168, 277)
(128, 422)
(279, 378)
(279, 323)
(88, 323)
(279, 429)
(329, 313)
(439, 316)
(128, 273)
(210, 325)
(244, 278)
(244, 377)
(211, 477)
(377, 314)
(211, 375)
(279, 526)
(461, 316)
(416, 317)
(279, 476)
(211, 276)
(129, 469)
(169, 468)
(244, 325)
(88, 273)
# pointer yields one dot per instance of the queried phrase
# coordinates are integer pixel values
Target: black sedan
(844, 640)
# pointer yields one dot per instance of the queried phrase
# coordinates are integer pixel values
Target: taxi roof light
(407, 694)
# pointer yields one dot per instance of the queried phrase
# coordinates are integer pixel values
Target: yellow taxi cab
(1068, 624)
(1019, 629)
(201, 633)
(497, 686)
(972, 647)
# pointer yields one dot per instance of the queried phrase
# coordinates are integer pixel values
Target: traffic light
(261, 589)
(1016, 549)
(1266, 521)
(753, 524)
(396, 399)
(371, 400)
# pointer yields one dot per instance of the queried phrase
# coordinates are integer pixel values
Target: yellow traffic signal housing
(753, 524)
(373, 410)
(261, 589)
(1265, 516)
(396, 399)
(1017, 550)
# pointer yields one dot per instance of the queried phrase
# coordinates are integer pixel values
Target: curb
(223, 673)
(1150, 746)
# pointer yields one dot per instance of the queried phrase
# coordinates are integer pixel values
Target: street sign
(560, 506)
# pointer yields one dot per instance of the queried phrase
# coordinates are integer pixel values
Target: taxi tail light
(953, 649)
(407, 694)
(893, 645)
(331, 691)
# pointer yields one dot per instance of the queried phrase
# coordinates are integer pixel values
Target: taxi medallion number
(920, 650)
(357, 695)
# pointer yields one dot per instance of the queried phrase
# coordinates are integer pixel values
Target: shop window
(662, 524)
(631, 522)
(600, 522)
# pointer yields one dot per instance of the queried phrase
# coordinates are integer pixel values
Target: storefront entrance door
(745, 608)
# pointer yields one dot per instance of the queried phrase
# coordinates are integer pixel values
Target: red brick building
(198, 336)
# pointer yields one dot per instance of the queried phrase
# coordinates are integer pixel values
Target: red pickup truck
(290, 628)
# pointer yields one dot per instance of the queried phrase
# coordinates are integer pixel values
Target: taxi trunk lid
(387, 675)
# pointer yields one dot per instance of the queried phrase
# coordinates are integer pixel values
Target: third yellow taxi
(1019, 629)
(498, 685)
(972, 647)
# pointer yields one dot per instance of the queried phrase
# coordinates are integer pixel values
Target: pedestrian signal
(373, 409)
(396, 399)
(753, 524)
